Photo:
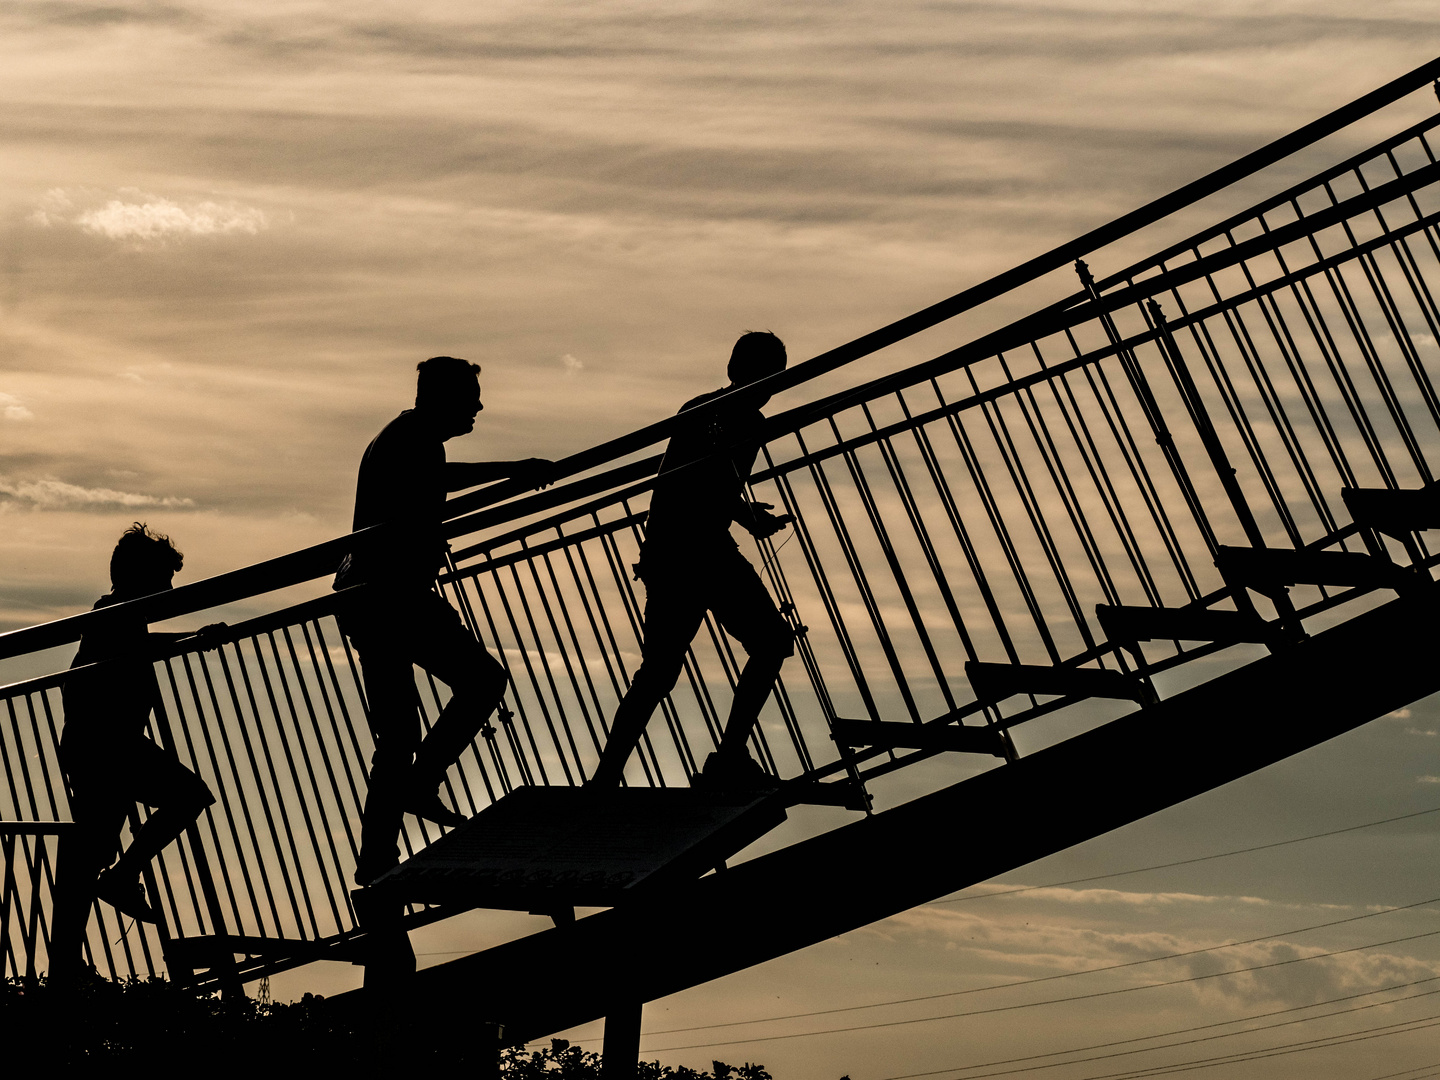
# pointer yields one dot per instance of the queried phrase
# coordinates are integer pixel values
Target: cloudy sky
(228, 231)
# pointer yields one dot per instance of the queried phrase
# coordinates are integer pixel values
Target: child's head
(755, 356)
(143, 562)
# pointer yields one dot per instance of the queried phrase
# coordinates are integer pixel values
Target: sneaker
(126, 897)
(370, 867)
(431, 808)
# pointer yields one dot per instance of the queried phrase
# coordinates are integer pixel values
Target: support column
(622, 1040)
(387, 956)
(492, 1039)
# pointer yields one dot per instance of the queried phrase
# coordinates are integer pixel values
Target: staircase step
(994, 682)
(843, 793)
(1270, 570)
(546, 848)
(1394, 512)
(892, 735)
(1182, 624)
(211, 950)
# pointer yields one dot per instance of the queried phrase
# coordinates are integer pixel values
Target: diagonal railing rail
(981, 540)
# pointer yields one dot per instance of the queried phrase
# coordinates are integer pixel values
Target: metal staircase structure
(1184, 509)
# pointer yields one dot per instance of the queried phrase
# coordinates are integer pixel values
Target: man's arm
(460, 475)
(756, 519)
(209, 636)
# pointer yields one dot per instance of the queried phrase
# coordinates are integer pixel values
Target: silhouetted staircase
(1210, 453)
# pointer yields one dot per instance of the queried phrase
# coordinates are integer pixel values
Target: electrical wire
(1104, 968)
(1108, 967)
(1059, 1000)
(1061, 975)
(1187, 862)
(1403, 1072)
(972, 1075)
(1403, 1027)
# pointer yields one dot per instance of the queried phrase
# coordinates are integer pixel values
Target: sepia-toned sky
(229, 230)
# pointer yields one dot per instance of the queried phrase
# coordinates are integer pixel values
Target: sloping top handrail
(626, 481)
(1001, 283)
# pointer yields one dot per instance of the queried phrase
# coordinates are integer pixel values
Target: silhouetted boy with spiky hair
(109, 762)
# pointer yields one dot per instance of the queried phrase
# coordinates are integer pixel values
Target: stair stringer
(1011, 815)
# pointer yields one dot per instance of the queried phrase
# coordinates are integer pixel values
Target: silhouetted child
(400, 621)
(110, 763)
(691, 564)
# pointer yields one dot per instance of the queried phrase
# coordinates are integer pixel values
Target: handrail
(321, 559)
(1049, 320)
(1023, 274)
(294, 568)
(317, 607)
(1190, 243)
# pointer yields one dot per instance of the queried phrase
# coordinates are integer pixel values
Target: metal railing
(958, 518)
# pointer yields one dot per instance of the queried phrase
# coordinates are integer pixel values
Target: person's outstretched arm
(460, 475)
(209, 636)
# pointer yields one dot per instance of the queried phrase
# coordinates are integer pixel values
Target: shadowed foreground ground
(155, 1023)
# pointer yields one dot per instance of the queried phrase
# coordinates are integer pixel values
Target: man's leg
(745, 611)
(83, 853)
(673, 611)
(395, 727)
(656, 677)
(142, 772)
(477, 681)
(176, 793)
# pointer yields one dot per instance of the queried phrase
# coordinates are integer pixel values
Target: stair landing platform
(548, 849)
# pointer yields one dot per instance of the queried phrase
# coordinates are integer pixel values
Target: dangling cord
(774, 549)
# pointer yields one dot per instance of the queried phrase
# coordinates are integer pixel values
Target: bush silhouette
(563, 1060)
(154, 1023)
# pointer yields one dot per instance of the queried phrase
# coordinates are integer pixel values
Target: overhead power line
(1028, 1064)
(1055, 1001)
(1187, 862)
(1403, 1027)
(1061, 975)
(1107, 967)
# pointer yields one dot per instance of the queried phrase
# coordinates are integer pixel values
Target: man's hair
(439, 377)
(756, 355)
(141, 553)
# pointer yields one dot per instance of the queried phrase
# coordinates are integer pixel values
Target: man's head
(448, 389)
(143, 562)
(756, 355)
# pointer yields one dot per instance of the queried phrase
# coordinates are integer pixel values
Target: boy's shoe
(429, 807)
(125, 896)
(370, 867)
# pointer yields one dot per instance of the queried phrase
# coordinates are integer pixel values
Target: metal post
(1220, 460)
(1205, 427)
(492, 1041)
(622, 1041)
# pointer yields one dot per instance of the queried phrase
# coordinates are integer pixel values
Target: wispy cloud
(12, 408)
(49, 494)
(140, 216)
(1119, 927)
